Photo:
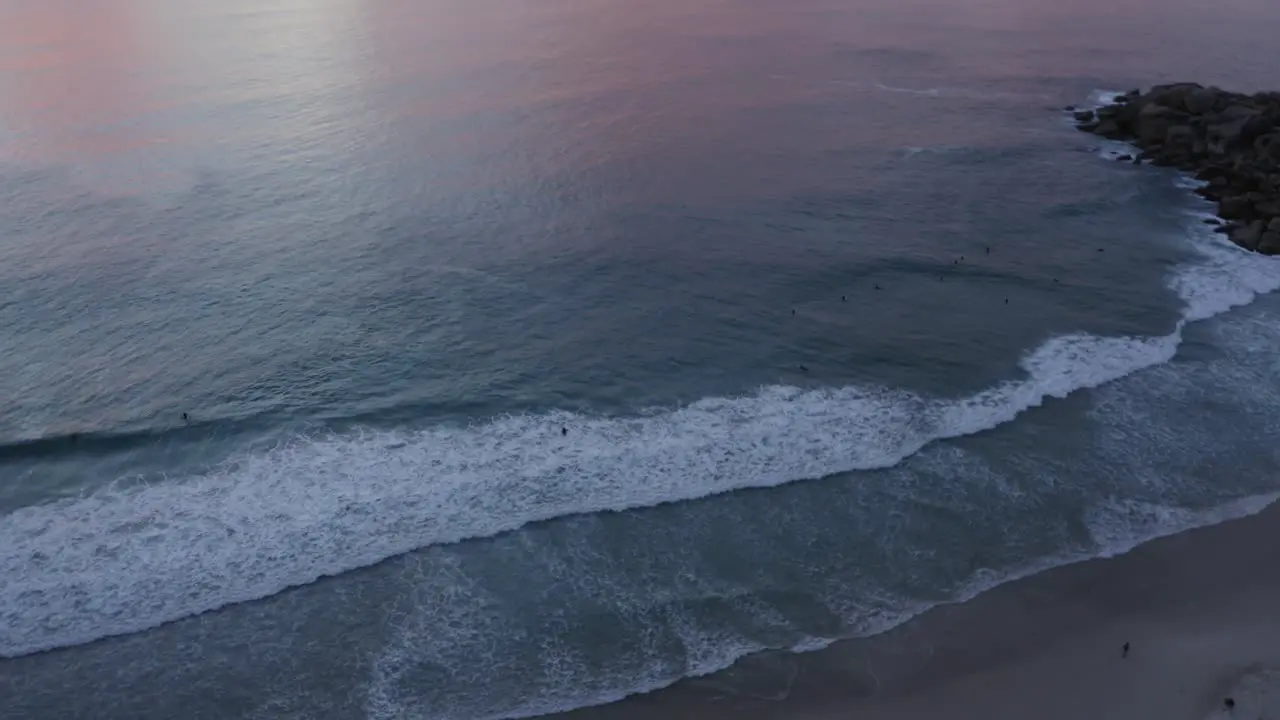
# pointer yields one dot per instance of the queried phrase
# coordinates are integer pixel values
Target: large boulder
(1154, 121)
(1234, 111)
(1268, 208)
(1235, 207)
(1255, 127)
(1109, 129)
(1201, 101)
(1128, 113)
(1213, 172)
(1248, 236)
(1222, 137)
(1269, 243)
(1172, 96)
(1180, 136)
(1267, 146)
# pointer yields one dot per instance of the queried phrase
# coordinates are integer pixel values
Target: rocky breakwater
(1231, 141)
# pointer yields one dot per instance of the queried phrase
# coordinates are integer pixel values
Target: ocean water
(536, 354)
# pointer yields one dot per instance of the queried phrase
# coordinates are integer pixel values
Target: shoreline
(1228, 141)
(1043, 644)
(1197, 607)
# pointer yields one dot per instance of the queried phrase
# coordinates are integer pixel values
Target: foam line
(1116, 526)
(123, 560)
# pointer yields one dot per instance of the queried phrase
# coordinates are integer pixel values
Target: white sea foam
(930, 92)
(1120, 525)
(1115, 149)
(1100, 97)
(1116, 525)
(1226, 277)
(949, 92)
(912, 150)
(122, 560)
(1106, 149)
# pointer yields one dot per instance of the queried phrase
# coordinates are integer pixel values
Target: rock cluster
(1229, 140)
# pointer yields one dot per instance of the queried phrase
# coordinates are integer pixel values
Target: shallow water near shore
(539, 355)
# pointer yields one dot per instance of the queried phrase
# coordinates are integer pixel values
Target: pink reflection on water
(78, 84)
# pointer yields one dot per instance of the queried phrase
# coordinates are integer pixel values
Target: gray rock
(1083, 115)
(1235, 207)
(1255, 127)
(1109, 129)
(1233, 112)
(1154, 121)
(1274, 225)
(1222, 137)
(1180, 136)
(1248, 236)
(1199, 102)
(1174, 95)
(1269, 243)
(1129, 112)
(1267, 207)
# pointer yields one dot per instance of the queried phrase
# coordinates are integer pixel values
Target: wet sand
(1201, 611)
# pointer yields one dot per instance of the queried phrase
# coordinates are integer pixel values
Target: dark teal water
(537, 354)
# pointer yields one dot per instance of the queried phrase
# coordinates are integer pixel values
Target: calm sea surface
(439, 359)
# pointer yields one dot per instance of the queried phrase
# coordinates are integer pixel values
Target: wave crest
(124, 560)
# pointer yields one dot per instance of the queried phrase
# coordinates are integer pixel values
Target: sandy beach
(1200, 611)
